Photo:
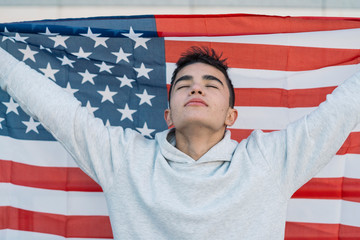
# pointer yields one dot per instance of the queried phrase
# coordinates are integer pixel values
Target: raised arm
(85, 137)
(297, 153)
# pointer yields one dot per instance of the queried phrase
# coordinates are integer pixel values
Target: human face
(200, 97)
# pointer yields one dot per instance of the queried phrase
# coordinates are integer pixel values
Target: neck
(196, 142)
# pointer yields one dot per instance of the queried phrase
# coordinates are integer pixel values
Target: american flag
(120, 69)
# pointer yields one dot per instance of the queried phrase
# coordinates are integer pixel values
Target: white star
(145, 130)
(121, 55)
(59, 40)
(11, 106)
(95, 36)
(1, 119)
(66, 61)
(143, 71)
(104, 67)
(132, 34)
(49, 72)
(48, 33)
(88, 77)
(136, 37)
(69, 89)
(6, 37)
(126, 113)
(28, 53)
(125, 81)
(91, 109)
(31, 125)
(145, 97)
(82, 54)
(19, 38)
(107, 94)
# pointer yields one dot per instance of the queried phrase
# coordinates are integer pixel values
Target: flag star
(69, 89)
(31, 125)
(126, 113)
(1, 119)
(145, 130)
(19, 38)
(107, 94)
(143, 71)
(82, 54)
(66, 61)
(11, 106)
(48, 33)
(121, 55)
(125, 81)
(49, 72)
(103, 67)
(87, 77)
(28, 53)
(6, 37)
(91, 109)
(145, 97)
(136, 37)
(107, 124)
(59, 40)
(132, 34)
(95, 36)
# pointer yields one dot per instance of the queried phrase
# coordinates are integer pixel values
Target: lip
(196, 102)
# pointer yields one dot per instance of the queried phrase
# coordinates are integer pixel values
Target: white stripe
(9, 234)
(347, 165)
(270, 118)
(253, 78)
(324, 211)
(39, 153)
(345, 39)
(53, 201)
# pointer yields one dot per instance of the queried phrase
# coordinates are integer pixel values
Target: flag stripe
(302, 230)
(67, 226)
(351, 144)
(16, 234)
(53, 201)
(331, 188)
(57, 178)
(342, 39)
(261, 56)
(240, 24)
(324, 211)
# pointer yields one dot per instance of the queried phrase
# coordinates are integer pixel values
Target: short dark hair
(208, 56)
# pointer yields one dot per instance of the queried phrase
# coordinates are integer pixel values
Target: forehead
(200, 69)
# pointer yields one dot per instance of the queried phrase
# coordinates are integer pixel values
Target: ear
(167, 117)
(231, 117)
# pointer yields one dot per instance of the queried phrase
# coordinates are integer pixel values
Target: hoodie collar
(222, 151)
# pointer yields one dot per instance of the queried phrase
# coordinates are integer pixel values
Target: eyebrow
(205, 77)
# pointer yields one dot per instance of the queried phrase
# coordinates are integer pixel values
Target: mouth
(196, 102)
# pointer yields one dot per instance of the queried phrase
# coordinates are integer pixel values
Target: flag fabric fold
(120, 69)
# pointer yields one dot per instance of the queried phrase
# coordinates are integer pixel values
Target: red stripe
(330, 188)
(270, 57)
(351, 144)
(315, 231)
(241, 24)
(56, 178)
(275, 97)
(61, 225)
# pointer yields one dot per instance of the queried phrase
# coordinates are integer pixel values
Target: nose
(196, 89)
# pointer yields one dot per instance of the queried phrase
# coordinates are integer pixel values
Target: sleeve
(84, 137)
(298, 152)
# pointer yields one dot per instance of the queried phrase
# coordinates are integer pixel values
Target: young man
(192, 181)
